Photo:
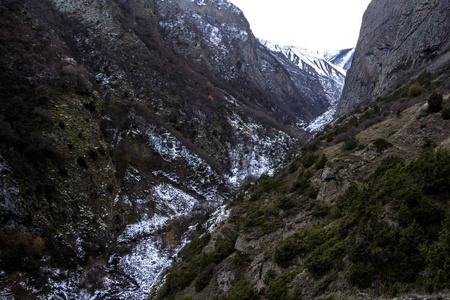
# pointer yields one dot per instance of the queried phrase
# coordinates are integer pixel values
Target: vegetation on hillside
(387, 233)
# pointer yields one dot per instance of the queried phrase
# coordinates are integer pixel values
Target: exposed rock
(328, 174)
(397, 37)
(216, 34)
(422, 113)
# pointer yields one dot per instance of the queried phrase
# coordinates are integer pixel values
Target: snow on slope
(330, 67)
(341, 58)
(309, 60)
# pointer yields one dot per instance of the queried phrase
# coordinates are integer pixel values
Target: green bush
(319, 208)
(286, 251)
(195, 247)
(435, 102)
(322, 162)
(424, 78)
(242, 291)
(302, 182)
(415, 90)
(285, 203)
(308, 160)
(202, 281)
(381, 145)
(350, 144)
(361, 275)
(324, 256)
(277, 289)
(446, 113)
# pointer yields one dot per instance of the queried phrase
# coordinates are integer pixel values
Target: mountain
(123, 125)
(361, 211)
(341, 58)
(217, 34)
(315, 65)
(319, 66)
(394, 46)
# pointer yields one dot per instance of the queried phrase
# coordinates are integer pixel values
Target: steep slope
(330, 76)
(308, 66)
(398, 39)
(216, 34)
(341, 58)
(112, 146)
(360, 212)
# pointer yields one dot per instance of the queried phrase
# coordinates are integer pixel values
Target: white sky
(312, 24)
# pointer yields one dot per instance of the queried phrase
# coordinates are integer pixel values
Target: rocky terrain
(137, 133)
(398, 39)
(124, 125)
(361, 211)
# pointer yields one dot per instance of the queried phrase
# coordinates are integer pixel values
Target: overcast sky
(312, 24)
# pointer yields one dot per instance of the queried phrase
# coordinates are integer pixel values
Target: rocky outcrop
(397, 39)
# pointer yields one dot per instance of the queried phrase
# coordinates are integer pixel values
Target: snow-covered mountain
(341, 58)
(329, 68)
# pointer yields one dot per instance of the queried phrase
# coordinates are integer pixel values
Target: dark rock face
(397, 38)
(217, 35)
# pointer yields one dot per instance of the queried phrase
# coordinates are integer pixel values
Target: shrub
(435, 102)
(324, 256)
(195, 247)
(415, 90)
(322, 162)
(446, 113)
(285, 203)
(242, 291)
(286, 251)
(429, 144)
(361, 275)
(382, 145)
(308, 160)
(277, 289)
(424, 78)
(302, 182)
(350, 144)
(203, 280)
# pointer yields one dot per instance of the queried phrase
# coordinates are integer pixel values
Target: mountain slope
(361, 211)
(341, 58)
(216, 34)
(330, 76)
(108, 137)
(402, 41)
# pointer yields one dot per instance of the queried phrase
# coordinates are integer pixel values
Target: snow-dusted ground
(318, 123)
(256, 154)
(253, 154)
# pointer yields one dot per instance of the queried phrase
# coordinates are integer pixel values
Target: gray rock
(397, 37)
(422, 113)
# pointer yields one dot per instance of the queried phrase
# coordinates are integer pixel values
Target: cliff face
(397, 39)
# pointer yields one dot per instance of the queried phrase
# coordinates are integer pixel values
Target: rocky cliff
(398, 39)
